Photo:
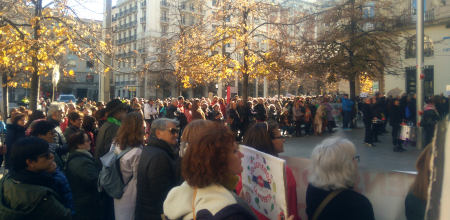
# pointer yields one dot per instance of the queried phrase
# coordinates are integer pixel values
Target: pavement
(378, 158)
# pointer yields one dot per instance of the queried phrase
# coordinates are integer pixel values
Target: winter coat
(20, 200)
(105, 137)
(82, 172)
(395, 115)
(348, 204)
(158, 173)
(198, 114)
(69, 131)
(171, 111)
(124, 208)
(347, 104)
(368, 113)
(430, 116)
(234, 118)
(13, 133)
(211, 202)
(59, 137)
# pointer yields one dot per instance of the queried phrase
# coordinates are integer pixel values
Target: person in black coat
(82, 172)
(338, 176)
(368, 116)
(395, 119)
(14, 132)
(158, 170)
(429, 120)
(260, 111)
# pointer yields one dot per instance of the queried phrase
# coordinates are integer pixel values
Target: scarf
(113, 121)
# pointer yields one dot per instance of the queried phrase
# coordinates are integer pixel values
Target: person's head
(192, 130)
(89, 124)
(19, 119)
(79, 140)
(180, 100)
(265, 137)
(187, 105)
(216, 107)
(55, 112)
(334, 164)
(211, 158)
(32, 154)
(131, 131)
(420, 185)
(75, 119)
(115, 108)
(43, 129)
(233, 105)
(37, 114)
(165, 129)
(396, 102)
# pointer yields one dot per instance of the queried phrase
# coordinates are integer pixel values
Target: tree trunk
(352, 85)
(279, 88)
(5, 95)
(34, 94)
(246, 53)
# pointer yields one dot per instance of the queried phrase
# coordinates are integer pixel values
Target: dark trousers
(347, 118)
(395, 135)
(308, 127)
(429, 133)
(368, 138)
(298, 127)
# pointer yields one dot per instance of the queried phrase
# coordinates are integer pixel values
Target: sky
(93, 9)
(90, 9)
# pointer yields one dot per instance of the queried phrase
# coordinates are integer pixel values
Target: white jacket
(150, 112)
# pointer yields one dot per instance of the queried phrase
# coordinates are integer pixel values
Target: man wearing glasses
(158, 170)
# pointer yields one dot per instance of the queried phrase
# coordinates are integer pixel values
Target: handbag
(325, 202)
(407, 132)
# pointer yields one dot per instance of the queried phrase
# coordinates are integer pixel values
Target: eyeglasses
(357, 158)
(174, 130)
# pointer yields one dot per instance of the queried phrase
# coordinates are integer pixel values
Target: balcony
(411, 19)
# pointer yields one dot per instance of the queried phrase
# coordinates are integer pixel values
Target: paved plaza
(379, 158)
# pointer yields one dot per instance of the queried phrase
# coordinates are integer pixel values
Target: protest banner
(264, 182)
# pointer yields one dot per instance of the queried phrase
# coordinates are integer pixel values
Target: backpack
(110, 177)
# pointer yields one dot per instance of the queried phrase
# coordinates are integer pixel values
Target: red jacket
(291, 196)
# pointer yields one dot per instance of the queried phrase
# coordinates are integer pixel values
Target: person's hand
(281, 217)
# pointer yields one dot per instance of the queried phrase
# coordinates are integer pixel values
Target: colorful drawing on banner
(263, 182)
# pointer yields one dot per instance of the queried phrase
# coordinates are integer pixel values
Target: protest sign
(264, 182)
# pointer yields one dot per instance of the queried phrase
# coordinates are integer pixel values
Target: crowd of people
(179, 159)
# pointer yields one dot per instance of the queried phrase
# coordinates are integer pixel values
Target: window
(183, 19)
(410, 50)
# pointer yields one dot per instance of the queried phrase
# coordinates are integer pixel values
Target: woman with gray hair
(330, 193)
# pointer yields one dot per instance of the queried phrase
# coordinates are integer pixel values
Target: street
(379, 158)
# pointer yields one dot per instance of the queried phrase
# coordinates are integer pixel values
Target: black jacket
(348, 205)
(368, 113)
(395, 115)
(105, 137)
(19, 200)
(13, 133)
(69, 131)
(82, 172)
(158, 173)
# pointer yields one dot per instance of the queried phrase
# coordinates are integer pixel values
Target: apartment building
(436, 49)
